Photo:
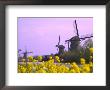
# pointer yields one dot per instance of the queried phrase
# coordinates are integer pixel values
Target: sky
(40, 35)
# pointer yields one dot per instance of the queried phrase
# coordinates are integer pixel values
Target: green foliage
(87, 54)
(69, 56)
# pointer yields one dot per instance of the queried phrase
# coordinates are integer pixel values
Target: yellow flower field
(54, 65)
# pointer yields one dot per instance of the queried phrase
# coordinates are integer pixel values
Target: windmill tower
(25, 55)
(60, 48)
(75, 40)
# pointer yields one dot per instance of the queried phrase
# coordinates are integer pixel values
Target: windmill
(75, 40)
(60, 48)
(19, 54)
(25, 55)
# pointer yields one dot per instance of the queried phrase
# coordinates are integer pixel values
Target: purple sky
(40, 35)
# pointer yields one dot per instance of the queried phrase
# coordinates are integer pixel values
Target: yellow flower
(82, 61)
(57, 57)
(30, 58)
(85, 68)
(58, 60)
(50, 57)
(91, 50)
(90, 64)
(23, 70)
(41, 71)
(75, 67)
(39, 58)
(72, 71)
(34, 60)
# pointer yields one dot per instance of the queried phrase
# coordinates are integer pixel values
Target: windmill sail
(59, 40)
(76, 28)
(83, 37)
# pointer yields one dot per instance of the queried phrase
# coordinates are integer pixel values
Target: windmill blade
(76, 28)
(86, 36)
(75, 31)
(59, 40)
(67, 40)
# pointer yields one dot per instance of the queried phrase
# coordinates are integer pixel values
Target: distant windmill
(75, 40)
(26, 55)
(60, 48)
(19, 54)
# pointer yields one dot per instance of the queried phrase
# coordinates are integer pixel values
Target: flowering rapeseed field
(55, 65)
